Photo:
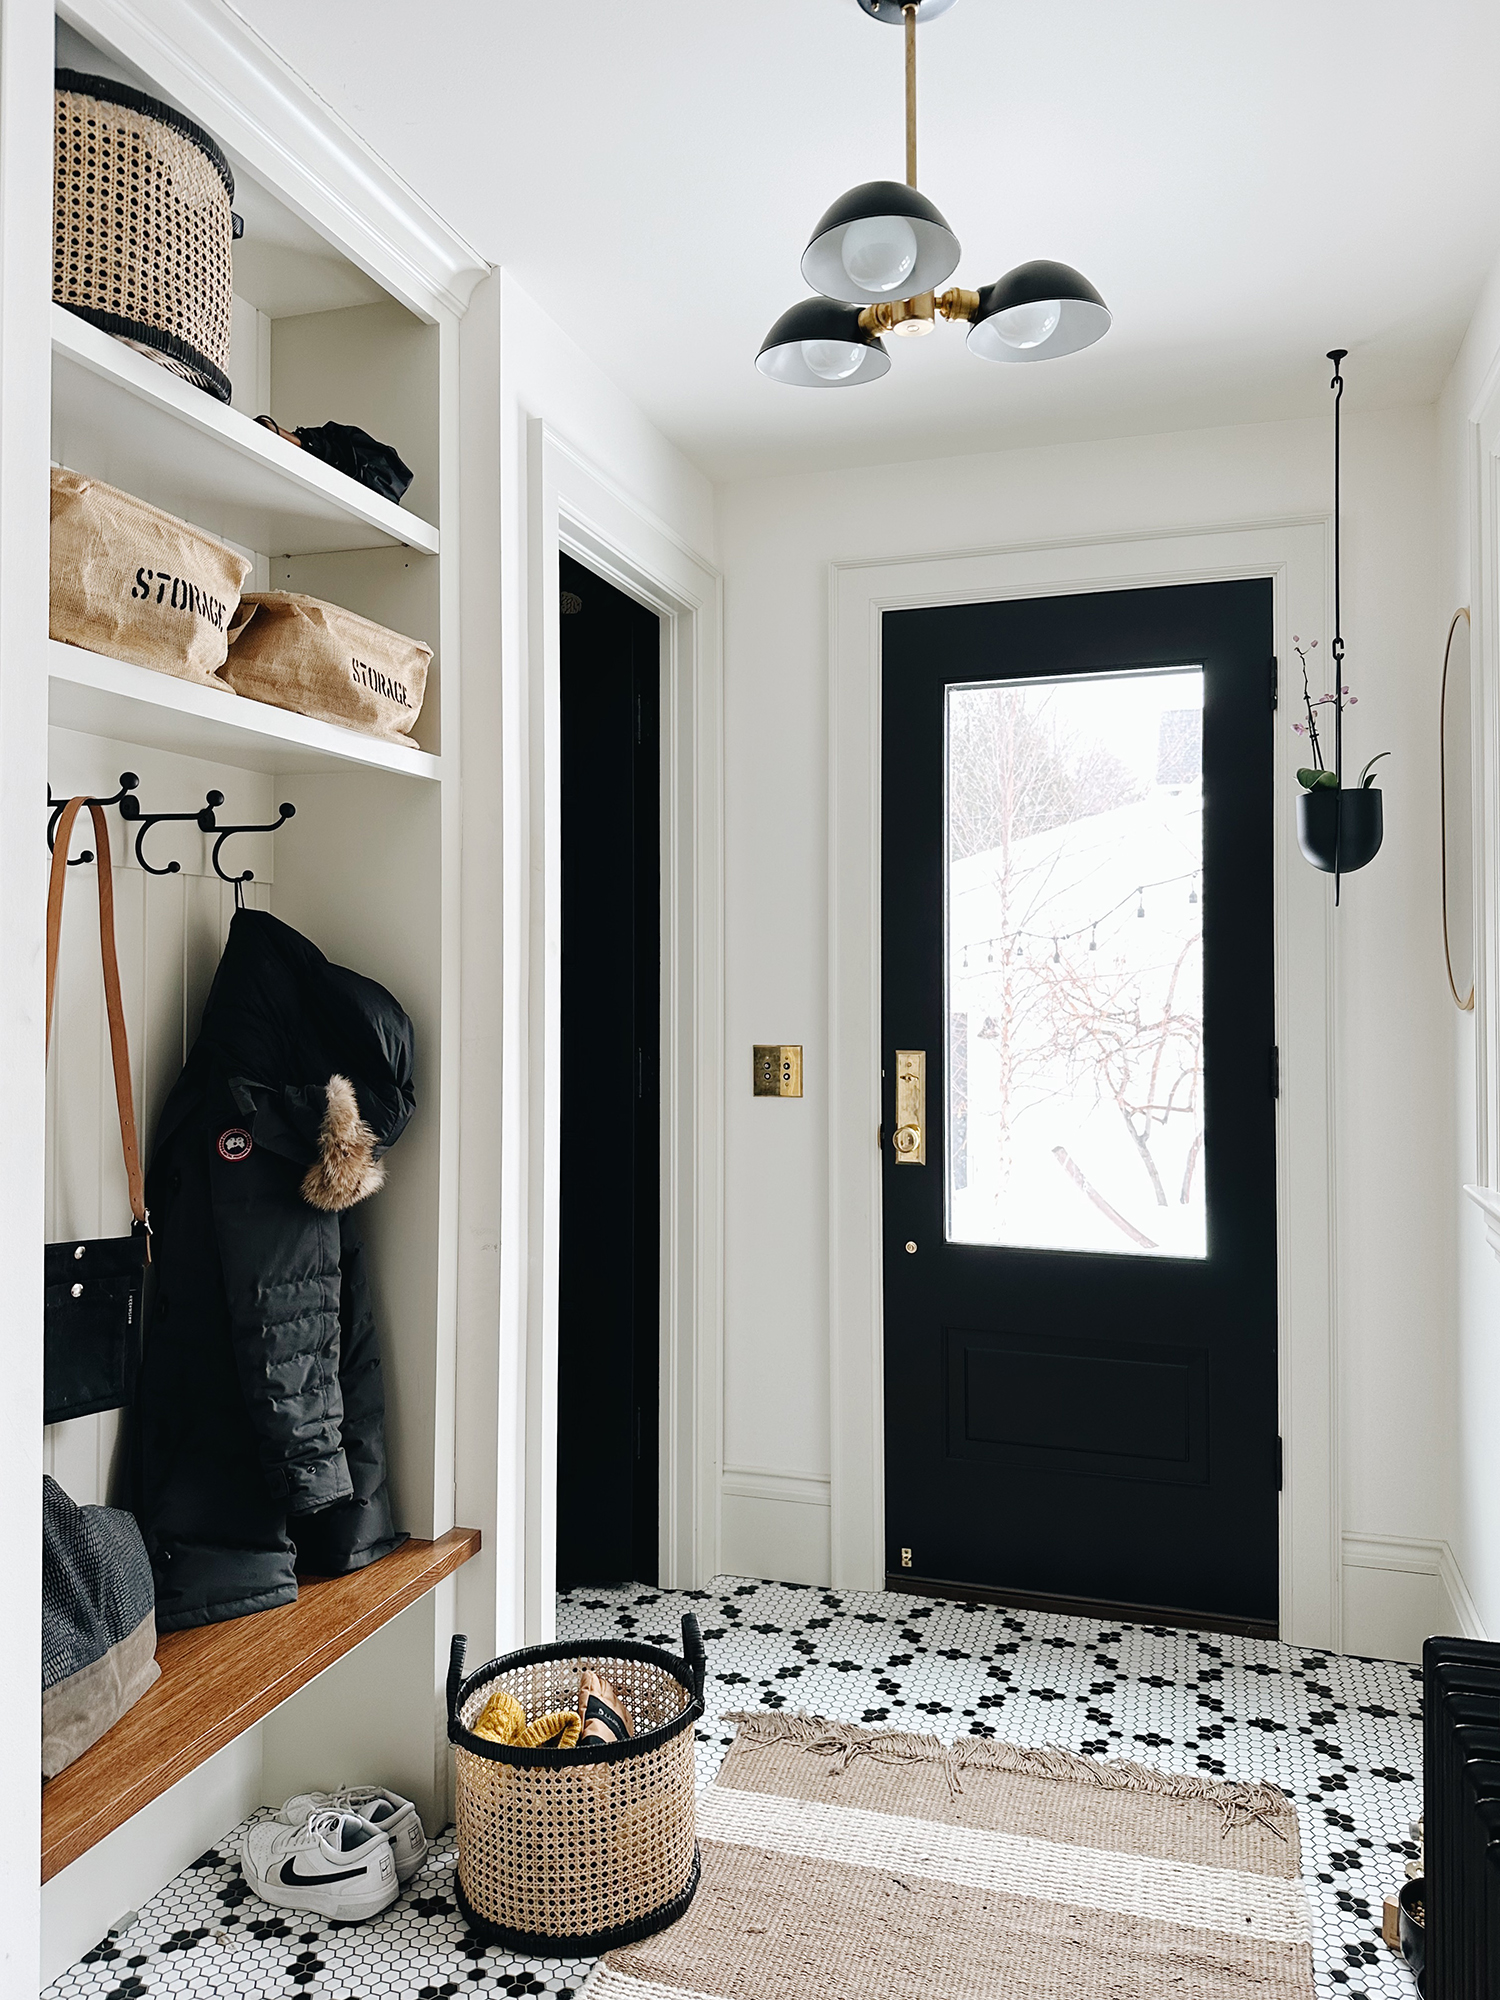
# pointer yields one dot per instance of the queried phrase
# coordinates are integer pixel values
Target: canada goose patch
(235, 1144)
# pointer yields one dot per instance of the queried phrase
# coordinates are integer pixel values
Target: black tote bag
(92, 1318)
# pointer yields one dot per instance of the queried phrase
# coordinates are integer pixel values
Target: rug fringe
(1239, 1803)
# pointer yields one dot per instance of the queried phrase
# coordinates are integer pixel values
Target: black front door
(607, 1311)
(1080, 1220)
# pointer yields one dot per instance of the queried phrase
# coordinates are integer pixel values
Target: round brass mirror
(1456, 778)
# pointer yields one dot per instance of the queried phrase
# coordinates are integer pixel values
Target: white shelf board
(118, 417)
(104, 697)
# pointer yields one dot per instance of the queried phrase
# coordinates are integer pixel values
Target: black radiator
(1461, 1809)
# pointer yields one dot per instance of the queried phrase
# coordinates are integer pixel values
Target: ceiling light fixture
(878, 257)
(820, 344)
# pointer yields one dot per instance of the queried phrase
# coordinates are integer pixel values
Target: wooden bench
(217, 1680)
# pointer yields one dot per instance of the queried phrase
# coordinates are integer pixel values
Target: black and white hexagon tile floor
(1341, 1735)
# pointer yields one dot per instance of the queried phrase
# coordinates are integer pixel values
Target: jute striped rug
(842, 1863)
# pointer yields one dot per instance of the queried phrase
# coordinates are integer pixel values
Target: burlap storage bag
(138, 584)
(298, 652)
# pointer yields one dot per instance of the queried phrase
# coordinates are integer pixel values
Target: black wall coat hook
(205, 817)
(121, 798)
(130, 809)
(285, 811)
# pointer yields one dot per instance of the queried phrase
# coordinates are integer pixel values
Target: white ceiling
(1247, 182)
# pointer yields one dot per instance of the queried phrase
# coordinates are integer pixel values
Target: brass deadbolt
(910, 1136)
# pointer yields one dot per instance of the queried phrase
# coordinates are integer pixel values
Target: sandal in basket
(606, 1719)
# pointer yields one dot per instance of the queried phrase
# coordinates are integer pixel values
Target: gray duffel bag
(98, 1623)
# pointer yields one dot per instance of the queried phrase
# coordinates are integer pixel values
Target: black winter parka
(258, 1436)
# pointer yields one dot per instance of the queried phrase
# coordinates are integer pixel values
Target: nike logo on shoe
(293, 1880)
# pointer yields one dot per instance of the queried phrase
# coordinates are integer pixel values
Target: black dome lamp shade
(876, 261)
(880, 241)
(820, 344)
(1036, 312)
(893, 12)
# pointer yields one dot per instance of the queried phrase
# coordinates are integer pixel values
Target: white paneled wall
(169, 933)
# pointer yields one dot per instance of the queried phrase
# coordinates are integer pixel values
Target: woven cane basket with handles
(570, 1852)
(142, 226)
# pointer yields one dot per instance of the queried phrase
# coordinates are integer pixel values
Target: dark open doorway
(608, 1284)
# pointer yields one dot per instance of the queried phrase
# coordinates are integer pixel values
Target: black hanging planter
(1340, 831)
(1339, 827)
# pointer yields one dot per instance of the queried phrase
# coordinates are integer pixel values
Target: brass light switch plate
(778, 1069)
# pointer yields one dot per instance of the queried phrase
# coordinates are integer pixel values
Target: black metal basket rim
(541, 1944)
(80, 83)
(584, 1753)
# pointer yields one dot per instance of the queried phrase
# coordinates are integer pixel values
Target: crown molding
(207, 57)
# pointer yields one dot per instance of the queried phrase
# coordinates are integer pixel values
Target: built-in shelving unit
(120, 417)
(218, 1680)
(105, 697)
(348, 294)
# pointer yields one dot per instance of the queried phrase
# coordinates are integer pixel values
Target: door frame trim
(576, 508)
(1295, 553)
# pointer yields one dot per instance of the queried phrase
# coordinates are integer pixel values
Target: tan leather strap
(118, 1043)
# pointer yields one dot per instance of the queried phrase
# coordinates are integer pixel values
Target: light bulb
(832, 360)
(879, 252)
(1028, 325)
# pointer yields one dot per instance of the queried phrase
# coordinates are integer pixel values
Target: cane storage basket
(142, 226)
(570, 1852)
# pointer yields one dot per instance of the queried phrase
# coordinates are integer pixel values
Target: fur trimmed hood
(346, 1169)
(317, 1058)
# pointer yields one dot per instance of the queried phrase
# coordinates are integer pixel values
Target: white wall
(1395, 1119)
(515, 365)
(1475, 1413)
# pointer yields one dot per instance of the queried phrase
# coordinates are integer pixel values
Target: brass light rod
(910, 13)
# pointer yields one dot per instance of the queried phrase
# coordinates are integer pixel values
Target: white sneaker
(381, 1807)
(334, 1865)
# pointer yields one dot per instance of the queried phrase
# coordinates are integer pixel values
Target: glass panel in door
(1075, 963)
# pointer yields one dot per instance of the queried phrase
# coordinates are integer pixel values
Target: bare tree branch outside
(1075, 954)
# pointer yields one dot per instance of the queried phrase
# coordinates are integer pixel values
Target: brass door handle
(910, 1135)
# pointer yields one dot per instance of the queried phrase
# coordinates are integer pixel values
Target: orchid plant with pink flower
(1316, 775)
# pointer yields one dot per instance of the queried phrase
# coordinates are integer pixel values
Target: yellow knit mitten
(561, 1729)
(503, 1720)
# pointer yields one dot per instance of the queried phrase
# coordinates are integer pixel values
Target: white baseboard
(1408, 1555)
(774, 1524)
(756, 1482)
(1469, 1624)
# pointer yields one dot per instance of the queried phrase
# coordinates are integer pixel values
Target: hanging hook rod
(1337, 355)
(128, 783)
(202, 816)
(285, 811)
